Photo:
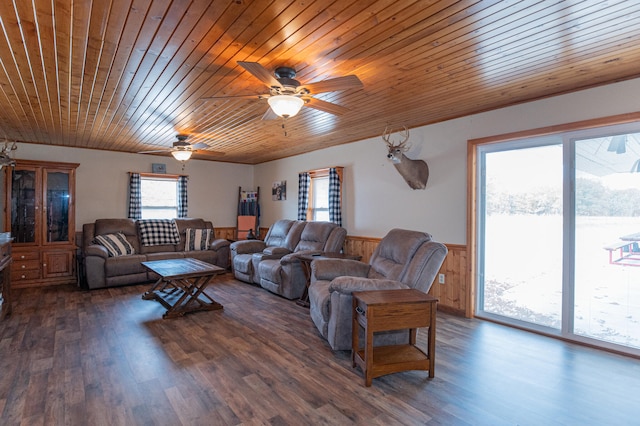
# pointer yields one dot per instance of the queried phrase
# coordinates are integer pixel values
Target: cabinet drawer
(25, 265)
(25, 275)
(5, 250)
(405, 315)
(5, 254)
(26, 255)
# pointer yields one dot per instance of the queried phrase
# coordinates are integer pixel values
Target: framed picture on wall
(158, 168)
(279, 191)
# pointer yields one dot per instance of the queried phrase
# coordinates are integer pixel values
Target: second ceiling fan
(287, 95)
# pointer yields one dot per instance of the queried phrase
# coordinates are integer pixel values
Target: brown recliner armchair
(246, 255)
(284, 274)
(403, 259)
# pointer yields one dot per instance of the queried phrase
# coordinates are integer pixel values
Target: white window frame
(320, 174)
(149, 177)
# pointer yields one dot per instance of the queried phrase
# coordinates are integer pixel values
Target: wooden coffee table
(181, 285)
(383, 310)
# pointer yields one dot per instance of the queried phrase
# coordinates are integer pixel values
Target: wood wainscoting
(228, 233)
(453, 295)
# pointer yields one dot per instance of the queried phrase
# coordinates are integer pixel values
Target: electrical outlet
(441, 278)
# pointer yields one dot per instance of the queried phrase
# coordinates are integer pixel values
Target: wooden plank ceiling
(129, 75)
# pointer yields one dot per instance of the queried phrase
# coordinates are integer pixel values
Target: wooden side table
(384, 310)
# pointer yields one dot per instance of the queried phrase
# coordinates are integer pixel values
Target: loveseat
(113, 249)
(273, 263)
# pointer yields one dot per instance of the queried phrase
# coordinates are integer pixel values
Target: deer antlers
(7, 149)
(386, 136)
(5, 159)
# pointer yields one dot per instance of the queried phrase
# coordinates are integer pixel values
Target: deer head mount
(5, 159)
(415, 172)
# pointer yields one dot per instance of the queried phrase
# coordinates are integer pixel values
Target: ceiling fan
(182, 150)
(287, 95)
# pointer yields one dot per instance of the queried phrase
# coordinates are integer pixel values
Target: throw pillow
(116, 244)
(197, 239)
(155, 232)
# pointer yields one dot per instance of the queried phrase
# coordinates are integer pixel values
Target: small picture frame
(158, 168)
(279, 191)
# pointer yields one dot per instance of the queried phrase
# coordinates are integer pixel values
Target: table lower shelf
(170, 299)
(393, 359)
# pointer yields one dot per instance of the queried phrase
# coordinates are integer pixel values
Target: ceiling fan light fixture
(181, 154)
(285, 105)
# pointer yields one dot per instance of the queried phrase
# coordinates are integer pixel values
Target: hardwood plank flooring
(106, 357)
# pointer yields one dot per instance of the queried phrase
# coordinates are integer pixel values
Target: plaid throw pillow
(197, 239)
(116, 244)
(155, 232)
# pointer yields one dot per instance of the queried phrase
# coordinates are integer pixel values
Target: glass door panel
(57, 207)
(24, 209)
(606, 303)
(520, 249)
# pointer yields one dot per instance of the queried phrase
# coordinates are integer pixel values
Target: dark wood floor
(105, 357)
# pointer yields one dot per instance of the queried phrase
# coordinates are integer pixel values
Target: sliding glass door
(606, 285)
(559, 233)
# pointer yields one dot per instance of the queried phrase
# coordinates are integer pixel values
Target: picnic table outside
(626, 251)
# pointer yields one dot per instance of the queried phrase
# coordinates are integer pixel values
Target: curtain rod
(323, 169)
(160, 175)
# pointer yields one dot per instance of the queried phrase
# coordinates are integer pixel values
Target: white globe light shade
(181, 155)
(285, 105)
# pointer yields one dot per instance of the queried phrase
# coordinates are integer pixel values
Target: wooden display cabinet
(40, 213)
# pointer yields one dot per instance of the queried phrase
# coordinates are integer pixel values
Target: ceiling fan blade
(261, 73)
(215, 98)
(157, 151)
(325, 106)
(199, 153)
(199, 145)
(269, 115)
(333, 84)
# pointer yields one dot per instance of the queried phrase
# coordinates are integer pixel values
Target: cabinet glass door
(24, 209)
(57, 207)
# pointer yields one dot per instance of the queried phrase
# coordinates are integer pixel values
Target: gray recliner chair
(284, 275)
(403, 259)
(281, 239)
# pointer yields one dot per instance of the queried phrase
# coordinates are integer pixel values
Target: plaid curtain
(304, 181)
(183, 205)
(335, 207)
(135, 196)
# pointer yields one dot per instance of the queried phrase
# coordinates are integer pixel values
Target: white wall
(102, 181)
(377, 199)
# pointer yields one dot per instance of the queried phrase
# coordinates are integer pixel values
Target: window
(159, 197)
(319, 205)
(558, 232)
